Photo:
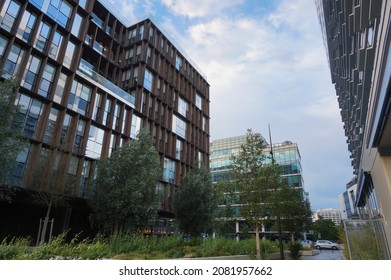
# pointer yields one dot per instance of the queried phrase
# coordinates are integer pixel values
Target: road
(326, 254)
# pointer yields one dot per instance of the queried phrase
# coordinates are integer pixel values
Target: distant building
(332, 214)
(347, 201)
(285, 154)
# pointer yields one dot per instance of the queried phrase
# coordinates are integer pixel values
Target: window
(83, 3)
(141, 33)
(8, 15)
(50, 126)
(136, 126)
(84, 177)
(370, 36)
(31, 73)
(148, 60)
(3, 45)
(59, 91)
(178, 62)
(129, 56)
(169, 170)
(179, 126)
(26, 26)
(71, 179)
(79, 97)
(148, 79)
(132, 35)
(117, 111)
(113, 140)
(95, 142)
(65, 129)
(37, 3)
(179, 149)
(107, 112)
(77, 144)
(97, 107)
(60, 11)
(42, 36)
(126, 113)
(198, 100)
(182, 106)
(19, 167)
(76, 25)
(135, 76)
(55, 45)
(12, 64)
(69, 54)
(28, 115)
(47, 80)
(138, 53)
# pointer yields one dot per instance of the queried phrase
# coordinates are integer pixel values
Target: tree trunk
(257, 241)
(45, 223)
(282, 256)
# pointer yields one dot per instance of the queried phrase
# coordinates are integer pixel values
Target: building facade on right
(357, 37)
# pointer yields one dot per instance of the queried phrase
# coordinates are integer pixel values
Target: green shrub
(15, 249)
(295, 250)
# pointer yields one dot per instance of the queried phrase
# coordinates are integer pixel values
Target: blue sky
(266, 64)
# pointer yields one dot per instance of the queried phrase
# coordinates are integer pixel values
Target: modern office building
(332, 214)
(88, 82)
(357, 39)
(285, 154)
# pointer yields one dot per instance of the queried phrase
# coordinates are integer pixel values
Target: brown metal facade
(88, 83)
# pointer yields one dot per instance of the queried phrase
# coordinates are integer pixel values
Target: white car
(326, 244)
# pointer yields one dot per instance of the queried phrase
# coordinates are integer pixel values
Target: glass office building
(285, 154)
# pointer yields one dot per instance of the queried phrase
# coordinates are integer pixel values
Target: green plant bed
(131, 247)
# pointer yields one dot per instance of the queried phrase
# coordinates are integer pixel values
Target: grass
(129, 247)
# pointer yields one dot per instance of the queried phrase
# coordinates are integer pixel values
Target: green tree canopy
(195, 203)
(326, 229)
(289, 204)
(11, 141)
(251, 182)
(123, 198)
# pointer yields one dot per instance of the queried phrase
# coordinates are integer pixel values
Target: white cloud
(200, 8)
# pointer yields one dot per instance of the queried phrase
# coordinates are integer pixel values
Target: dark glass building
(357, 38)
(88, 83)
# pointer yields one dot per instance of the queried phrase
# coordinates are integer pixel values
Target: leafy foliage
(133, 246)
(123, 198)
(287, 203)
(195, 203)
(11, 142)
(326, 229)
(295, 250)
(251, 179)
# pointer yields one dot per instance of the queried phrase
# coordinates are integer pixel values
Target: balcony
(85, 70)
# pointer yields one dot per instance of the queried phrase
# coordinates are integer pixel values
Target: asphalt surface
(326, 254)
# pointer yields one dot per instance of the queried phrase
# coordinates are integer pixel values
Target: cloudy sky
(266, 64)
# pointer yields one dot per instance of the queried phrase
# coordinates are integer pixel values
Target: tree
(251, 182)
(325, 229)
(289, 206)
(11, 141)
(123, 198)
(51, 183)
(263, 194)
(195, 203)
